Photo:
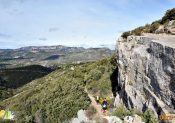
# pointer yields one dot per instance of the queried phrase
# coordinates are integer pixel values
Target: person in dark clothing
(105, 102)
(104, 105)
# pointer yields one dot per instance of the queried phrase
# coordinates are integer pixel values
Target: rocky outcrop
(146, 73)
(81, 117)
(112, 119)
(167, 28)
(133, 119)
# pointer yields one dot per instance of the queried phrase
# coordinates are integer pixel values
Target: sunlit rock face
(146, 72)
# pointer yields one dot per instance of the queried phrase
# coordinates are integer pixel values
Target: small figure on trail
(97, 99)
(104, 105)
(105, 102)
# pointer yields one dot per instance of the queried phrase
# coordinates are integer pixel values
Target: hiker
(104, 105)
(2, 112)
(105, 102)
(97, 99)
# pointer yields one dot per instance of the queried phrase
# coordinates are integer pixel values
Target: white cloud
(77, 22)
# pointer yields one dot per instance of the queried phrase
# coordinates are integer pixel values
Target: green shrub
(126, 34)
(169, 15)
(154, 26)
(149, 116)
(121, 111)
(147, 28)
(138, 31)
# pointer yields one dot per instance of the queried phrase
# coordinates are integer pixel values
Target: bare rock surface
(81, 117)
(147, 72)
(113, 119)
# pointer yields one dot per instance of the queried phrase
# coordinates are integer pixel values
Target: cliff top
(164, 25)
(164, 39)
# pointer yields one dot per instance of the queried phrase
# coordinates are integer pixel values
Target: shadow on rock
(114, 82)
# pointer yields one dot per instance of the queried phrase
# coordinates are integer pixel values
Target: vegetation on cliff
(148, 116)
(151, 28)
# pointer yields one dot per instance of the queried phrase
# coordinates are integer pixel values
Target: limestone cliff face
(147, 73)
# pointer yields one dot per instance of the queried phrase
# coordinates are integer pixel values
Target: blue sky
(74, 22)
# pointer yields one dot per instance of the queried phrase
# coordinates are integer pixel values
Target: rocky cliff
(146, 72)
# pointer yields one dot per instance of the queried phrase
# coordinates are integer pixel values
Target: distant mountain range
(50, 55)
(110, 46)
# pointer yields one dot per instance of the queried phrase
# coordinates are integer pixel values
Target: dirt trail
(98, 107)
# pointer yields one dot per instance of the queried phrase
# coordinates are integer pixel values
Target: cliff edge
(146, 71)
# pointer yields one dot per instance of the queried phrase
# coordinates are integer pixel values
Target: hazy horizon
(73, 23)
(110, 46)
